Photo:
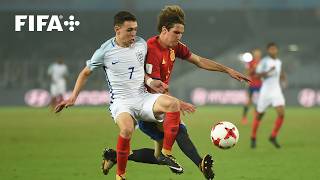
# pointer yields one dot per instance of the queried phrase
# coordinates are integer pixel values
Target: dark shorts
(151, 129)
(251, 90)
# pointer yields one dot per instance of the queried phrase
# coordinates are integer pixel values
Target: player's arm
(265, 74)
(283, 79)
(210, 65)
(155, 84)
(81, 81)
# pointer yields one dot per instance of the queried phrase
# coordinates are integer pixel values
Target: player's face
(257, 54)
(173, 36)
(127, 32)
(273, 51)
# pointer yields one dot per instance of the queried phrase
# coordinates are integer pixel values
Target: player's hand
(64, 104)
(159, 86)
(269, 72)
(271, 69)
(238, 76)
(187, 107)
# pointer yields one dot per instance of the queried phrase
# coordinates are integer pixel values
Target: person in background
(254, 85)
(58, 72)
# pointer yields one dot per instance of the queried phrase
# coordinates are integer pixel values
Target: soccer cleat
(206, 167)
(274, 141)
(171, 162)
(109, 160)
(253, 143)
(118, 177)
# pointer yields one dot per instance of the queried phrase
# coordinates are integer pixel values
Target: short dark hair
(271, 44)
(123, 16)
(169, 16)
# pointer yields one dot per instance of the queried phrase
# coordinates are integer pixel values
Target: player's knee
(259, 116)
(173, 105)
(126, 132)
(182, 132)
(281, 115)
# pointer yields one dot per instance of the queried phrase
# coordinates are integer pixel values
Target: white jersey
(124, 67)
(271, 83)
(58, 72)
(270, 92)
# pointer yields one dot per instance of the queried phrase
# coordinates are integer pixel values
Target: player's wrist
(149, 81)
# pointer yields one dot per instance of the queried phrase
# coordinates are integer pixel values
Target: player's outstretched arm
(266, 73)
(81, 80)
(210, 65)
(156, 85)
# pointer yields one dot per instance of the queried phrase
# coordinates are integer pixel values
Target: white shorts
(58, 88)
(140, 108)
(265, 101)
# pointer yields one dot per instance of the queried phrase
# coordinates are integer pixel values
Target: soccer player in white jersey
(58, 72)
(270, 70)
(122, 58)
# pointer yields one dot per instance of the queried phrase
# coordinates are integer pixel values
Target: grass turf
(36, 144)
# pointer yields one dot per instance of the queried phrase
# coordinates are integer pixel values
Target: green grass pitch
(38, 145)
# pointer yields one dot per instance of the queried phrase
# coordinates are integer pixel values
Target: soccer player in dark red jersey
(162, 52)
(254, 85)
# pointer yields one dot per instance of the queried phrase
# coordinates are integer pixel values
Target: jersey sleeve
(182, 51)
(96, 60)
(145, 46)
(153, 64)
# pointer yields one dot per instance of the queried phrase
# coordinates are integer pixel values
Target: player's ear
(116, 29)
(164, 29)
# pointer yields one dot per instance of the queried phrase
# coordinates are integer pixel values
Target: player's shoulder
(51, 65)
(265, 59)
(140, 40)
(108, 44)
(181, 47)
(153, 45)
(152, 40)
(181, 44)
(140, 43)
(251, 63)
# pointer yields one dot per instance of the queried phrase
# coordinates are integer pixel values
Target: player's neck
(161, 42)
(121, 43)
(273, 57)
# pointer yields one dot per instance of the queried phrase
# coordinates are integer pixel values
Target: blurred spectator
(58, 73)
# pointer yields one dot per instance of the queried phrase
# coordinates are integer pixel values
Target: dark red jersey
(159, 61)
(255, 81)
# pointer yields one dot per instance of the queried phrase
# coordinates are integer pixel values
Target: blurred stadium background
(216, 29)
(37, 145)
